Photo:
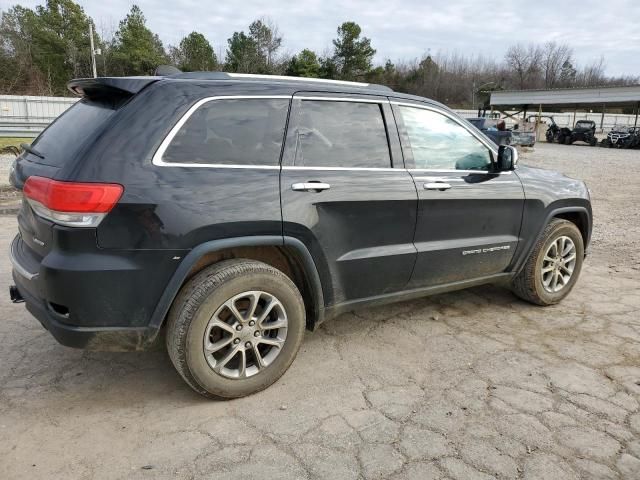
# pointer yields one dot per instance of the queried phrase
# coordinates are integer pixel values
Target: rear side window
(231, 132)
(341, 134)
(71, 130)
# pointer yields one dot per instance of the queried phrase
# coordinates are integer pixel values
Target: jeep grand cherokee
(231, 212)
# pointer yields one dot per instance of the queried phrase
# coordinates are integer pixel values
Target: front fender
(532, 231)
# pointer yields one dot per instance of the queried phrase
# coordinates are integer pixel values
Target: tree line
(43, 48)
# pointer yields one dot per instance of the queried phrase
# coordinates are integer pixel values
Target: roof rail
(281, 78)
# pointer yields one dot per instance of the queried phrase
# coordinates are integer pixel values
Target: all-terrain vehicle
(223, 214)
(583, 131)
(622, 136)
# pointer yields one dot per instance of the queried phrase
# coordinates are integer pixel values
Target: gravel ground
(466, 385)
(5, 165)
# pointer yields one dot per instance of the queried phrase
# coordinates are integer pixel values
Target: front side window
(341, 134)
(437, 142)
(231, 132)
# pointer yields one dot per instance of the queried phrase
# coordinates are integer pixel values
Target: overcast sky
(402, 29)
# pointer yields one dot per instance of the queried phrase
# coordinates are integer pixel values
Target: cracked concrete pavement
(468, 385)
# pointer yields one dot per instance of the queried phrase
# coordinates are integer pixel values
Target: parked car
(231, 212)
(622, 136)
(488, 126)
(583, 131)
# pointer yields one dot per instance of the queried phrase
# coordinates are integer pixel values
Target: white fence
(26, 116)
(566, 119)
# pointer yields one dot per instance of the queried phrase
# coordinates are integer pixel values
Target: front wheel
(553, 266)
(235, 328)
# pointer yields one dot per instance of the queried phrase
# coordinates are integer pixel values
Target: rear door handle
(437, 186)
(310, 187)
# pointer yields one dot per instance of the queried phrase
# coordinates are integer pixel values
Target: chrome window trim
(342, 99)
(451, 117)
(216, 165)
(453, 170)
(157, 156)
(362, 169)
(158, 161)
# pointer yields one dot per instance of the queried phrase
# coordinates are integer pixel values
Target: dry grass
(13, 141)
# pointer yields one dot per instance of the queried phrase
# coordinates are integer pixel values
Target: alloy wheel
(558, 264)
(245, 335)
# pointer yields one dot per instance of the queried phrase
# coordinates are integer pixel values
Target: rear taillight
(71, 203)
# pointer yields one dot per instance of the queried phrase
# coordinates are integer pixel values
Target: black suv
(229, 212)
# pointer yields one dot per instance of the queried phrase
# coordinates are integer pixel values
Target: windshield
(584, 124)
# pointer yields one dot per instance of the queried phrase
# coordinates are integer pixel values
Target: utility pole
(473, 95)
(93, 51)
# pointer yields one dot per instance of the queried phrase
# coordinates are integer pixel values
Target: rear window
(231, 132)
(70, 130)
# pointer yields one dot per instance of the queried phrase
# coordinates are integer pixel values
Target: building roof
(628, 95)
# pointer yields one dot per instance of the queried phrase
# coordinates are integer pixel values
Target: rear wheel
(593, 142)
(235, 328)
(553, 266)
(567, 140)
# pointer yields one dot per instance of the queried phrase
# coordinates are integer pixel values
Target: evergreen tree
(305, 64)
(353, 55)
(136, 49)
(48, 46)
(243, 55)
(195, 53)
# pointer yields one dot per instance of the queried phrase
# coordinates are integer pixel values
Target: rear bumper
(35, 291)
(98, 338)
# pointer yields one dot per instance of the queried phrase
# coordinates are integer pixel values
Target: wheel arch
(287, 254)
(577, 214)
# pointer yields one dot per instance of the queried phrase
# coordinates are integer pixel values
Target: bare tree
(593, 74)
(554, 57)
(525, 62)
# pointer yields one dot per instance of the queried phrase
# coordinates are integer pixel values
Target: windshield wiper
(28, 148)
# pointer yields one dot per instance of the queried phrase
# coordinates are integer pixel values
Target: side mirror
(507, 158)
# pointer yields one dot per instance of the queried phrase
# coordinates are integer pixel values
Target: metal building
(597, 99)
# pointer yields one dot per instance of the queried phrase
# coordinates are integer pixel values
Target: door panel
(467, 231)
(359, 225)
(468, 217)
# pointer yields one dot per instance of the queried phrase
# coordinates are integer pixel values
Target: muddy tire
(235, 328)
(553, 266)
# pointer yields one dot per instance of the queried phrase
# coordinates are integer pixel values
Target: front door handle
(437, 186)
(310, 187)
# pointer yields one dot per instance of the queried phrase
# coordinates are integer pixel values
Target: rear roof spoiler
(107, 86)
